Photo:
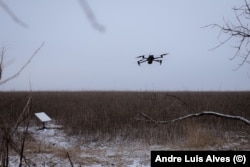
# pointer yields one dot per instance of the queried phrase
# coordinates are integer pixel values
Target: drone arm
(141, 61)
(161, 56)
(157, 57)
(159, 61)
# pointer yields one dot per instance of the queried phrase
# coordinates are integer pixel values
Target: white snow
(50, 147)
(52, 144)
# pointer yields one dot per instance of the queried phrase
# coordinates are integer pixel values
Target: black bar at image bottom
(200, 158)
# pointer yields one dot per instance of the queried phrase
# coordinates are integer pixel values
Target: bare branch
(12, 15)
(25, 114)
(146, 118)
(91, 16)
(221, 43)
(71, 163)
(247, 11)
(245, 56)
(23, 67)
(239, 31)
(11, 137)
(1, 61)
(181, 100)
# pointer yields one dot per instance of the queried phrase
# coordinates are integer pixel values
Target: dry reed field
(116, 128)
(112, 116)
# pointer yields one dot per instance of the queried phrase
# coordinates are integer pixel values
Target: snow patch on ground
(53, 136)
(51, 146)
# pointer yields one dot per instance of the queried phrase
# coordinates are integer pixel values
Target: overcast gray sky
(77, 56)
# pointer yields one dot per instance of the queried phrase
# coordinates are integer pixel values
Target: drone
(150, 59)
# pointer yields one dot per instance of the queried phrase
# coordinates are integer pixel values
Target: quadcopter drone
(150, 59)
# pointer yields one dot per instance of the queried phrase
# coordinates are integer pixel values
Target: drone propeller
(140, 56)
(164, 54)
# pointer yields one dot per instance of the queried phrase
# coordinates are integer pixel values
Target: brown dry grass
(199, 138)
(110, 116)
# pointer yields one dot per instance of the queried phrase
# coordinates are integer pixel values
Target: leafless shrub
(239, 32)
(9, 135)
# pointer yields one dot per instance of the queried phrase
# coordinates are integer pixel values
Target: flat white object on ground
(43, 117)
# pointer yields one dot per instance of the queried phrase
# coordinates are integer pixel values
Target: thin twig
(12, 15)
(25, 132)
(23, 67)
(70, 160)
(1, 61)
(236, 31)
(25, 113)
(181, 100)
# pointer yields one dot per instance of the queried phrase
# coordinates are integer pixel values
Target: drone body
(150, 59)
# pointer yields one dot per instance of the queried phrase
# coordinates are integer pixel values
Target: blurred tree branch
(12, 15)
(91, 16)
(1, 61)
(240, 32)
(23, 67)
(83, 3)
